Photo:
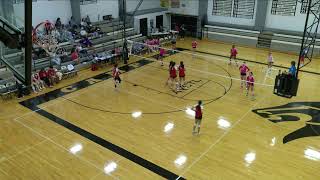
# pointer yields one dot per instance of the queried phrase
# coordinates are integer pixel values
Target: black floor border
(110, 146)
(33, 104)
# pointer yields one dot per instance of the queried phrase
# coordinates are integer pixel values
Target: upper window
(284, 7)
(243, 8)
(222, 7)
(234, 8)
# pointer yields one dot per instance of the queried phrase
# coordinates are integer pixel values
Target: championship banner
(164, 3)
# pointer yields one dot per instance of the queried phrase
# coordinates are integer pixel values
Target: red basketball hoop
(44, 35)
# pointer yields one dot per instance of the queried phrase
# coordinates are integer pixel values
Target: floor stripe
(112, 147)
(33, 104)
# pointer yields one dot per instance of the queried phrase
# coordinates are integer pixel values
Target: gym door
(144, 26)
(159, 21)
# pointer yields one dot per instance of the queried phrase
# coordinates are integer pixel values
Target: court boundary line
(180, 49)
(30, 147)
(183, 97)
(59, 145)
(137, 95)
(39, 111)
(211, 73)
(92, 137)
(219, 139)
(102, 142)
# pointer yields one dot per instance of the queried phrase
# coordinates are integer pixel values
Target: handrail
(11, 27)
(233, 35)
(233, 29)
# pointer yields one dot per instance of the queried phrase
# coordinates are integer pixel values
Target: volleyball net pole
(310, 32)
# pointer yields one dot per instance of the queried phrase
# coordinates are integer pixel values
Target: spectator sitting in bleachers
(83, 32)
(75, 55)
(83, 23)
(48, 26)
(35, 84)
(58, 24)
(62, 54)
(67, 35)
(73, 23)
(137, 48)
(44, 77)
(87, 20)
(52, 76)
(58, 74)
(81, 50)
(85, 42)
(36, 79)
(152, 44)
(56, 59)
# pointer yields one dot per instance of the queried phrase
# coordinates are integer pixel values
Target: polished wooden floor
(235, 142)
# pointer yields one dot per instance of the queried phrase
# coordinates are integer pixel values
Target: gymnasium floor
(84, 129)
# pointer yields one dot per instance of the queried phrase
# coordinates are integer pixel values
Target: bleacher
(290, 43)
(277, 41)
(112, 37)
(231, 35)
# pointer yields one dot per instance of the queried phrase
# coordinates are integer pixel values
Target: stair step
(264, 39)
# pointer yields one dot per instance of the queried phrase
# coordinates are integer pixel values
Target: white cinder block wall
(187, 7)
(97, 10)
(45, 10)
(146, 4)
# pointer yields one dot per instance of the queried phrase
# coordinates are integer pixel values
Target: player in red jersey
(173, 77)
(243, 73)
(233, 54)
(181, 74)
(198, 117)
(170, 65)
(250, 84)
(194, 47)
(161, 54)
(116, 75)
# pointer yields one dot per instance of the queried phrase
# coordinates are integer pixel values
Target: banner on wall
(175, 3)
(164, 3)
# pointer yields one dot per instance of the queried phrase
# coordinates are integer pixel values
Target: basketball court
(143, 130)
(85, 128)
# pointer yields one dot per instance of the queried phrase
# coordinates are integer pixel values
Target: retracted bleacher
(232, 35)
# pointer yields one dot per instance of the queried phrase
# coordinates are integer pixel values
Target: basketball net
(44, 35)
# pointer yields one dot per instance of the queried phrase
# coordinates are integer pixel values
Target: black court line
(112, 147)
(33, 104)
(210, 100)
(256, 62)
(199, 88)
